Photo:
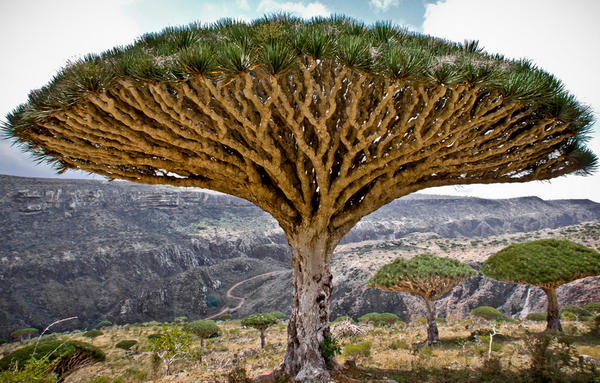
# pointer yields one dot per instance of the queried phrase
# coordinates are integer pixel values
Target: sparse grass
(391, 352)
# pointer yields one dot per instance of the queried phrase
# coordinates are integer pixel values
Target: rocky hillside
(127, 253)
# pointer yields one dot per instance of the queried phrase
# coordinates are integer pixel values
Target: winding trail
(242, 299)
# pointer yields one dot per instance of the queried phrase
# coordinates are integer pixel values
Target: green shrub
(180, 319)
(536, 317)
(174, 344)
(379, 319)
(279, 315)
(92, 334)
(329, 349)
(486, 312)
(104, 323)
(38, 371)
(66, 356)
(578, 312)
(155, 336)
(24, 333)
(225, 316)
(362, 349)
(126, 344)
(593, 307)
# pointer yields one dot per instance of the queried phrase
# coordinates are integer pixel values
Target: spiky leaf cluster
(279, 43)
(544, 263)
(259, 321)
(426, 275)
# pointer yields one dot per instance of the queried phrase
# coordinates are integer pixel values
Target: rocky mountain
(127, 253)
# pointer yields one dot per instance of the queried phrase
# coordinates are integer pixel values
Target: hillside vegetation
(386, 352)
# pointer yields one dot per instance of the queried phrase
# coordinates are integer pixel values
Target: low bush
(379, 319)
(593, 307)
(126, 344)
(579, 312)
(155, 336)
(104, 323)
(536, 317)
(486, 312)
(362, 349)
(92, 334)
(65, 355)
(225, 316)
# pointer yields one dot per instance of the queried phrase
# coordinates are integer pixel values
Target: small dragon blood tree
(317, 122)
(261, 322)
(546, 263)
(427, 276)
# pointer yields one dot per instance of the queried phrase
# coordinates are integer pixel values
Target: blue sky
(40, 36)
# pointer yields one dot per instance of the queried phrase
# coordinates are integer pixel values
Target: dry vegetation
(394, 353)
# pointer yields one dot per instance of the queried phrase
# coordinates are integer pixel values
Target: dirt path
(241, 299)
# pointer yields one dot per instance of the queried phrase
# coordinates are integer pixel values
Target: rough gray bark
(552, 316)
(309, 320)
(432, 330)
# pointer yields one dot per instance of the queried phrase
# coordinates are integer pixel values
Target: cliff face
(127, 253)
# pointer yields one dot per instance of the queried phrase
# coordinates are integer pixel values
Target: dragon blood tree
(427, 276)
(317, 122)
(546, 263)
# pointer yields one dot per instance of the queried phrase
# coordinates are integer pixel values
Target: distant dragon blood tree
(546, 263)
(317, 122)
(427, 276)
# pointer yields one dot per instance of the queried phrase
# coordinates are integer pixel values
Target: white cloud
(383, 5)
(306, 11)
(560, 37)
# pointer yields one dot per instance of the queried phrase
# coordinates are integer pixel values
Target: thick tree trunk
(552, 316)
(262, 339)
(309, 320)
(432, 330)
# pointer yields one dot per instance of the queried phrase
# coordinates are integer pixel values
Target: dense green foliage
(486, 312)
(546, 261)
(330, 347)
(421, 267)
(537, 317)
(92, 333)
(104, 323)
(259, 321)
(203, 328)
(275, 45)
(33, 371)
(126, 344)
(54, 350)
(379, 319)
(180, 319)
